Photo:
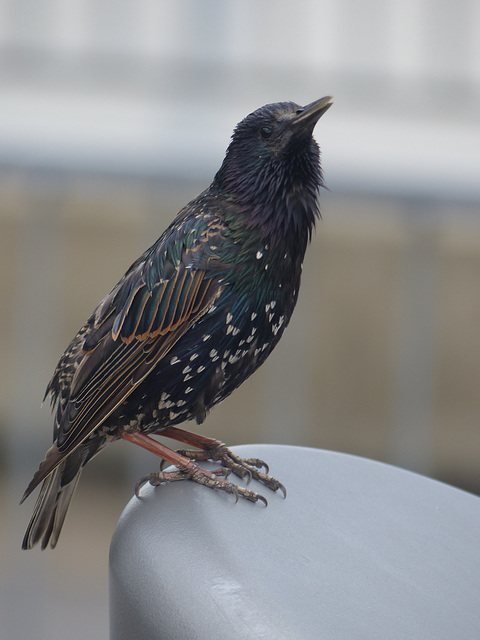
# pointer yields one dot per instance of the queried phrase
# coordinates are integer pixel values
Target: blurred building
(114, 114)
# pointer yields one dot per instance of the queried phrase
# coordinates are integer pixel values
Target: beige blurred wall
(332, 381)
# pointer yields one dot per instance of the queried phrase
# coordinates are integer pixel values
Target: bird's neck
(279, 202)
(261, 262)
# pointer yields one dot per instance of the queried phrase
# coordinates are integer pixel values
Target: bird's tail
(52, 506)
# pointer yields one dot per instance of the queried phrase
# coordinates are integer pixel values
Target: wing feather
(130, 361)
(133, 328)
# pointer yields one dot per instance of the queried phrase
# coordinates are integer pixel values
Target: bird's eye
(266, 132)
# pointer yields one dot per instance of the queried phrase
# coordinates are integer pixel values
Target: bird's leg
(187, 469)
(211, 449)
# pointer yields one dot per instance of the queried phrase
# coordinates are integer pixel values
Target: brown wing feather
(113, 368)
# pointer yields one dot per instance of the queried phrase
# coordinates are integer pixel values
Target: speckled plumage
(195, 315)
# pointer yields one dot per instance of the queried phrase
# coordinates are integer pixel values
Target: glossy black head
(272, 166)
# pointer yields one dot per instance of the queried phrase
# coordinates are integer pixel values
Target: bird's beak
(308, 116)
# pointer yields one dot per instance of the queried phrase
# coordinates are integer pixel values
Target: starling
(191, 319)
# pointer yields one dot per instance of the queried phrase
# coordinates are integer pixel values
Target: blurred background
(114, 114)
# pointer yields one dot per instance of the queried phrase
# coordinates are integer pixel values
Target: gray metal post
(358, 550)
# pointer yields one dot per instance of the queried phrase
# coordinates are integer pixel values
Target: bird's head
(272, 166)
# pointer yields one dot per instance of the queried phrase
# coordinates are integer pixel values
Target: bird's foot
(210, 449)
(244, 468)
(193, 471)
(187, 467)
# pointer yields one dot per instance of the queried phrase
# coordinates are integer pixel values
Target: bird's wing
(151, 308)
(143, 332)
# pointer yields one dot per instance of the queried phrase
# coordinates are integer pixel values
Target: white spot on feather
(276, 327)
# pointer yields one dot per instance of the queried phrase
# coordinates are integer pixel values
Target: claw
(140, 484)
(222, 472)
(247, 476)
(256, 462)
(263, 499)
(235, 493)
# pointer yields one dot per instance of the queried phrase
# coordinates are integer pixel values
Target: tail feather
(52, 460)
(51, 507)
